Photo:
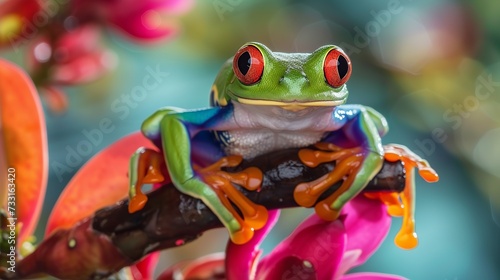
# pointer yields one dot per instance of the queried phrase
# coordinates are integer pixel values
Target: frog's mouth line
(291, 106)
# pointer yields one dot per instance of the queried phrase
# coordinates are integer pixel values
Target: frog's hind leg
(146, 167)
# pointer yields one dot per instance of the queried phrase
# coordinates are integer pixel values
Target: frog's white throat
(263, 129)
(314, 118)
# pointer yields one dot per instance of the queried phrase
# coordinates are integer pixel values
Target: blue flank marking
(350, 133)
(208, 118)
(208, 144)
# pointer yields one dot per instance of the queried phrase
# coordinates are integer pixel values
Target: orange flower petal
(102, 181)
(22, 130)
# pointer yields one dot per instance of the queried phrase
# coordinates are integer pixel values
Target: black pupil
(342, 66)
(244, 63)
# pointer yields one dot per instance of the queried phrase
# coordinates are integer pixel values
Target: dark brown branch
(112, 238)
(170, 216)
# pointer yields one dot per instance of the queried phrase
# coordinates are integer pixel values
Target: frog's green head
(293, 81)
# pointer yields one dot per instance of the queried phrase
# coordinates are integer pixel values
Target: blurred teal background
(431, 67)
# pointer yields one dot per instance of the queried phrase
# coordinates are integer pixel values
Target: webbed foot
(355, 166)
(253, 216)
(146, 167)
(403, 204)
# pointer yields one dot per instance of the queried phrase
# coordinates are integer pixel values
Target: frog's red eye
(248, 65)
(337, 68)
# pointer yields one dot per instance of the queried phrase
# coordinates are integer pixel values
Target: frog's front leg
(253, 216)
(210, 184)
(146, 167)
(356, 166)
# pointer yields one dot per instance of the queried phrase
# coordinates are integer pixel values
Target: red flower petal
(144, 269)
(207, 267)
(100, 182)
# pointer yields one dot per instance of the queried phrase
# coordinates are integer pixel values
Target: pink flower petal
(313, 251)
(367, 223)
(372, 276)
(289, 267)
(77, 42)
(85, 68)
(146, 26)
(77, 57)
(349, 260)
(145, 19)
(241, 259)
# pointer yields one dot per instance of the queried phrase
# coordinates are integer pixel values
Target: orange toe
(258, 220)
(324, 211)
(137, 203)
(242, 236)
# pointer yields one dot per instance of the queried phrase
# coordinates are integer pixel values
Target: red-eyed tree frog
(263, 101)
